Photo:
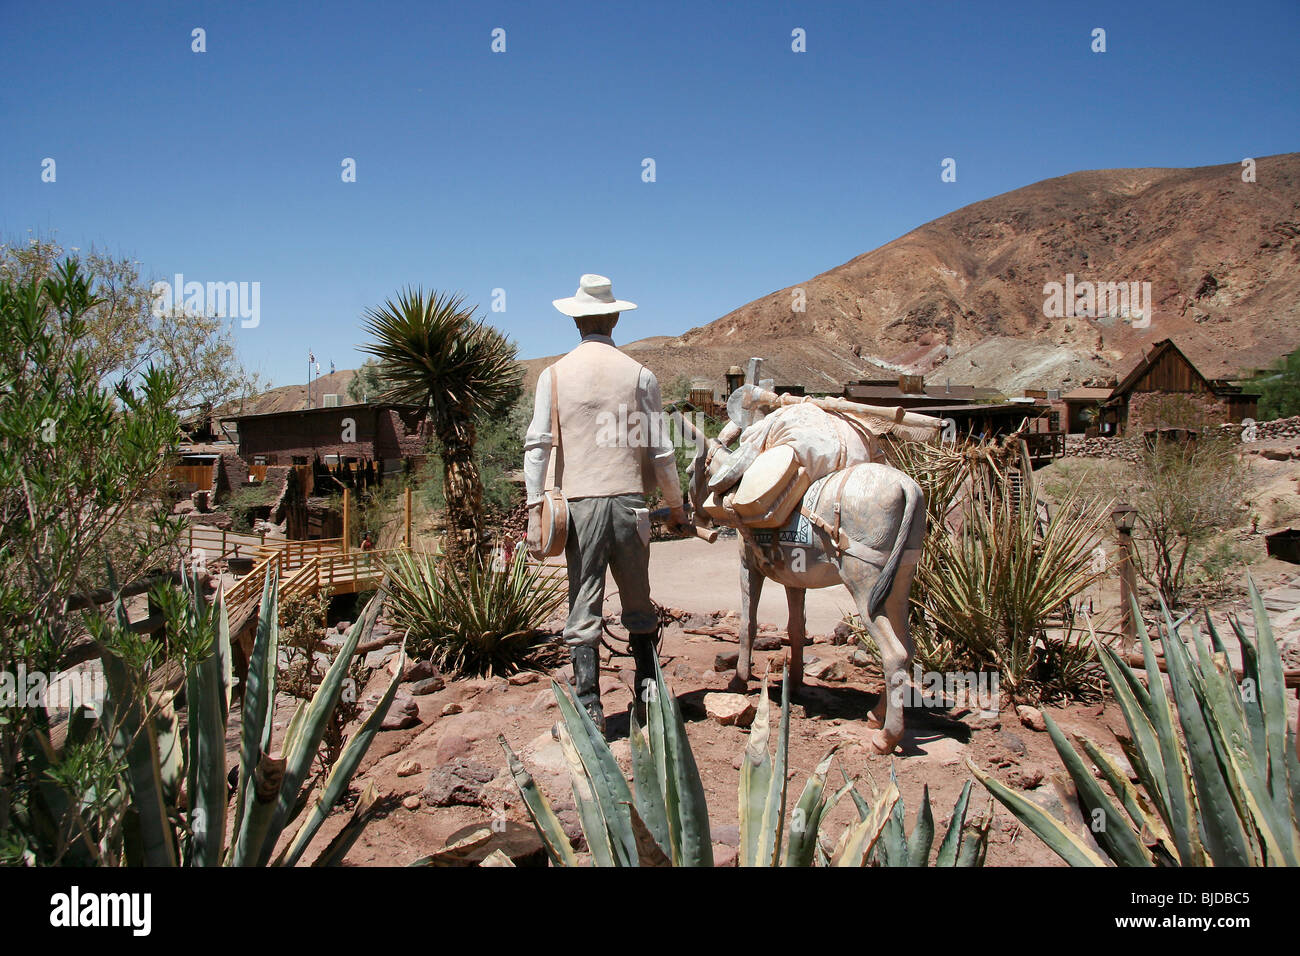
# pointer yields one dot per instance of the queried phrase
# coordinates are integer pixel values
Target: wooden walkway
(305, 567)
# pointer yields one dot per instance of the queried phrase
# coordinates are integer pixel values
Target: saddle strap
(845, 544)
(555, 431)
(765, 564)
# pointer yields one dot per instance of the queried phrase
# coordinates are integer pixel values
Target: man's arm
(537, 440)
(663, 455)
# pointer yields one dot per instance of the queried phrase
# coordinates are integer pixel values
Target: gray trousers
(611, 532)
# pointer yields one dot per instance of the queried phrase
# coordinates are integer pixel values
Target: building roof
(1148, 359)
(373, 406)
(991, 407)
(1086, 394)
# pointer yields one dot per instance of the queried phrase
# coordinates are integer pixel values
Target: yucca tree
(433, 352)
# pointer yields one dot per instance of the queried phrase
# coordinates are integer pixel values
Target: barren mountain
(961, 299)
(1222, 257)
(288, 398)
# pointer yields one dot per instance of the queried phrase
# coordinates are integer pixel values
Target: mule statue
(853, 520)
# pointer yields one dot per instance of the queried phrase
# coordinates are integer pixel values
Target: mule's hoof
(737, 685)
(874, 722)
(883, 743)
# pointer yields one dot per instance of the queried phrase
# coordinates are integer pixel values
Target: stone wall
(1127, 449)
(1148, 410)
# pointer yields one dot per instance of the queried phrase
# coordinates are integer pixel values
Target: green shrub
(135, 814)
(472, 619)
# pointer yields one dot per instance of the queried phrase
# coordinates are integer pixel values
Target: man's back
(604, 436)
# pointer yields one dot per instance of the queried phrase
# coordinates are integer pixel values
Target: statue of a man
(613, 450)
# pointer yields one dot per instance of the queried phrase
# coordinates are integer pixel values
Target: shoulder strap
(556, 448)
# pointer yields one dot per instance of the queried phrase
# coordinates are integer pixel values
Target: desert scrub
(471, 619)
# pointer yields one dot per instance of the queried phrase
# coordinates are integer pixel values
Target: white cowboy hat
(592, 298)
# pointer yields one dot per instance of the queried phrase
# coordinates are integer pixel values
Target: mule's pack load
(783, 453)
(771, 488)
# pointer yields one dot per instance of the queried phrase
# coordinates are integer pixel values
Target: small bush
(472, 620)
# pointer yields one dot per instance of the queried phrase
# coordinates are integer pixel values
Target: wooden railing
(297, 553)
(216, 544)
(306, 570)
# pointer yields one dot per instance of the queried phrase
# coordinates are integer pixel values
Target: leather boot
(586, 681)
(645, 652)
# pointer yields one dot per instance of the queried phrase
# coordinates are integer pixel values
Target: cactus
(1224, 792)
(157, 827)
(963, 844)
(663, 820)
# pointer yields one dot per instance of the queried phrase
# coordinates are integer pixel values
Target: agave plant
(1219, 775)
(964, 843)
(474, 620)
(154, 822)
(663, 819)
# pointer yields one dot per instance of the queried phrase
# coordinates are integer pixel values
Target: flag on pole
(311, 357)
(331, 366)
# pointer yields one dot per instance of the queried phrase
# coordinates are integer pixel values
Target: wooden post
(1127, 590)
(407, 537)
(347, 517)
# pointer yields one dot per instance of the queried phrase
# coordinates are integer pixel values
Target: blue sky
(520, 170)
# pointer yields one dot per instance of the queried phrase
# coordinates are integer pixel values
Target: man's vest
(598, 394)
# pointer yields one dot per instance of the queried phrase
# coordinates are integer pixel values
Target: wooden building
(339, 434)
(1165, 390)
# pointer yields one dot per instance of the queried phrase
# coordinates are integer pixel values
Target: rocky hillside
(961, 298)
(1222, 257)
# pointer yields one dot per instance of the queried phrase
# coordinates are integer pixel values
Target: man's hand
(677, 521)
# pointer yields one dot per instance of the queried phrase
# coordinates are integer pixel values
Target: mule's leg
(796, 627)
(751, 589)
(887, 716)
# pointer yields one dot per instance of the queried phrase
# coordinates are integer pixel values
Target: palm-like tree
(432, 351)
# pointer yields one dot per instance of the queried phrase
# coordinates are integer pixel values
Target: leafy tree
(123, 335)
(79, 463)
(432, 351)
(678, 390)
(366, 384)
(1280, 392)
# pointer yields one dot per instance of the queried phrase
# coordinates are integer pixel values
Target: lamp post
(1125, 517)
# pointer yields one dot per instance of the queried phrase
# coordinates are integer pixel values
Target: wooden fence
(198, 475)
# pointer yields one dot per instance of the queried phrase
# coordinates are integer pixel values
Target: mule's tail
(913, 508)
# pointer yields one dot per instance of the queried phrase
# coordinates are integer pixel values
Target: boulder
(458, 782)
(729, 709)
(830, 671)
(403, 712)
(429, 685)
(1031, 717)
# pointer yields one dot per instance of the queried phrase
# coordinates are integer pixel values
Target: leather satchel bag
(554, 516)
